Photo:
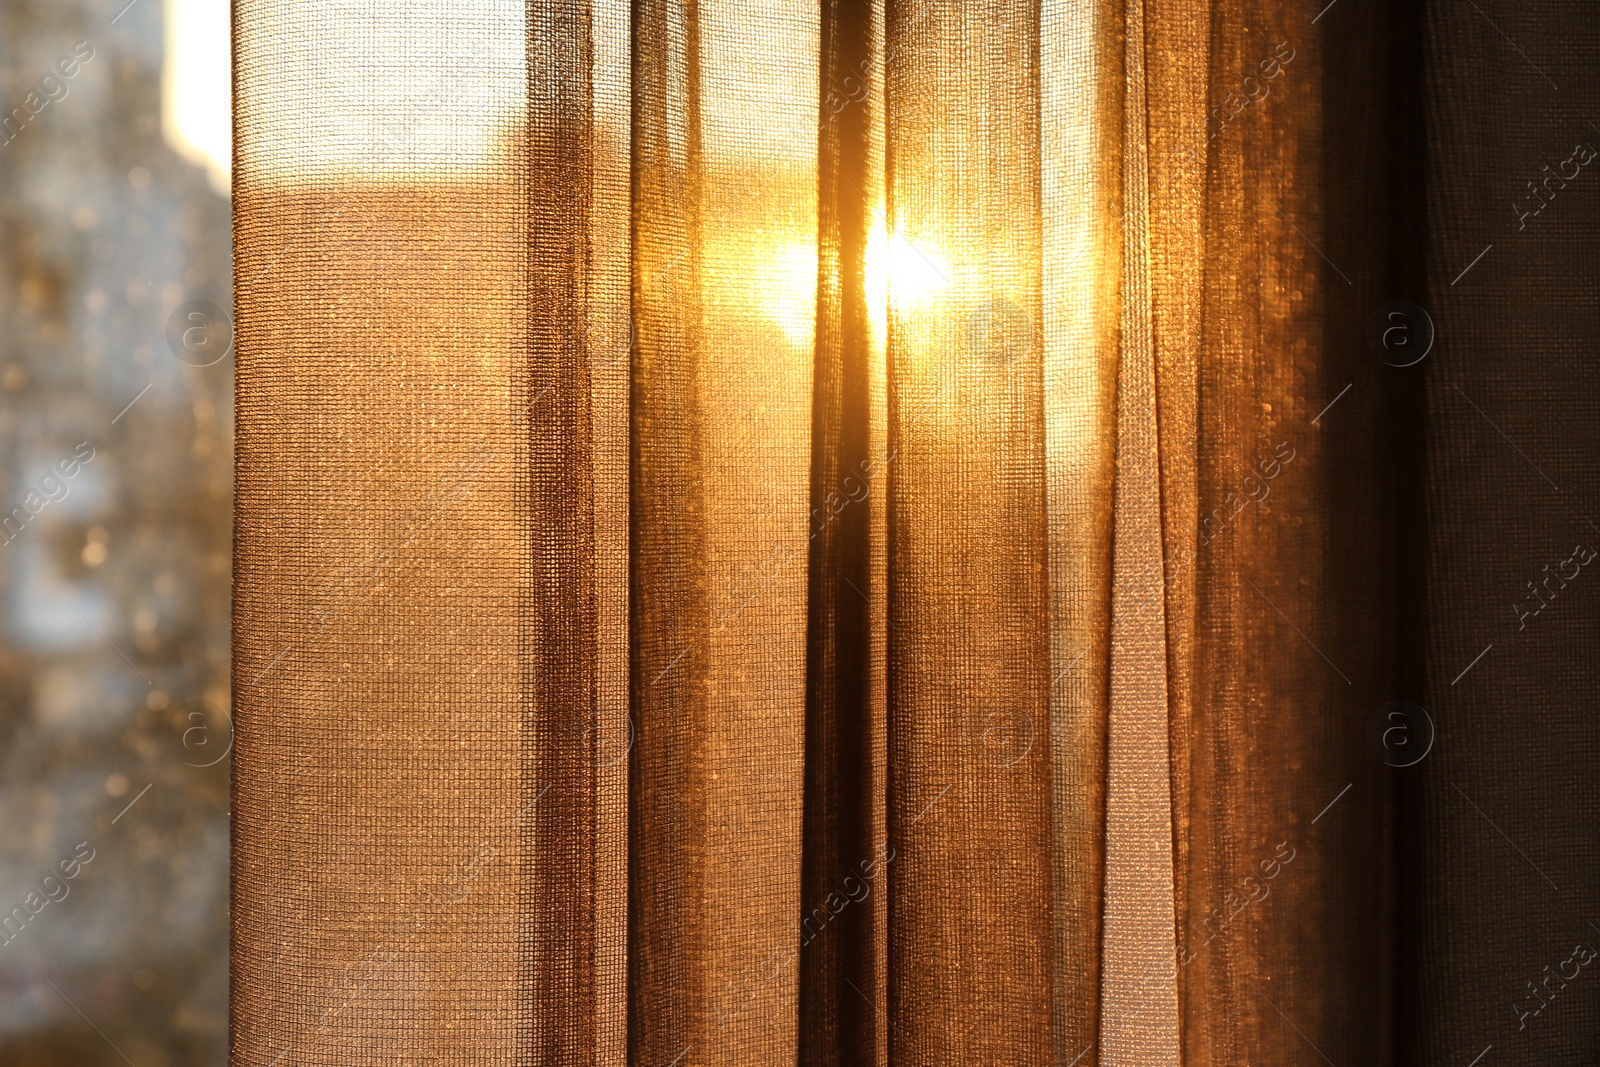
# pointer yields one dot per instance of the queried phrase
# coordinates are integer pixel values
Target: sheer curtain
(795, 531)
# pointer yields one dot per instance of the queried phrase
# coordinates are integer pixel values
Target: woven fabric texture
(820, 532)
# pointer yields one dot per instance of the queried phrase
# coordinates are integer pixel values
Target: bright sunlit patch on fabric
(383, 88)
(196, 89)
(792, 292)
(910, 274)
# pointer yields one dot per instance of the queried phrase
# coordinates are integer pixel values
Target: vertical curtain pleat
(724, 276)
(1264, 694)
(383, 478)
(971, 929)
(1080, 164)
(1178, 96)
(559, 610)
(1139, 1000)
(847, 858)
(1286, 912)
(1373, 201)
(609, 347)
(669, 594)
(574, 875)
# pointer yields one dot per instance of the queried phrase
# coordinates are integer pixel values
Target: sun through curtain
(801, 531)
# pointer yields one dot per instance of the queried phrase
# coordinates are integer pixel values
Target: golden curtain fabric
(800, 531)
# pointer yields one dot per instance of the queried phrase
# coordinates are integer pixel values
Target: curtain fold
(725, 211)
(1139, 998)
(846, 858)
(1081, 80)
(969, 782)
(573, 611)
(833, 532)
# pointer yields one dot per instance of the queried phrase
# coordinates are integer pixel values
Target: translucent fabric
(796, 531)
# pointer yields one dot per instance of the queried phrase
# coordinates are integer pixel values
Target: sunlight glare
(898, 270)
(792, 292)
(196, 90)
(892, 266)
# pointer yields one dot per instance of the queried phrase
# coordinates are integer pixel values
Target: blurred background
(115, 484)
